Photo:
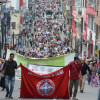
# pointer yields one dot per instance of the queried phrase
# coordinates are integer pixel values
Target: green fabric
(66, 12)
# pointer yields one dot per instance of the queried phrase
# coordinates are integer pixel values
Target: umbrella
(57, 42)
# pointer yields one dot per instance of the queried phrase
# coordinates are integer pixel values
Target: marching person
(93, 75)
(84, 69)
(9, 72)
(98, 74)
(88, 75)
(75, 71)
(2, 82)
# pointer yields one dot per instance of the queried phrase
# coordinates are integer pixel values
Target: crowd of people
(80, 70)
(46, 40)
(45, 49)
(84, 69)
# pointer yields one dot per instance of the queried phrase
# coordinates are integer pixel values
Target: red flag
(53, 85)
(21, 20)
(21, 3)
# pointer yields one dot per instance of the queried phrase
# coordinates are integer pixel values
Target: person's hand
(0, 69)
(96, 74)
(18, 66)
(80, 77)
(3, 72)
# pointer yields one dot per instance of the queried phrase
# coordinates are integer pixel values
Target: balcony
(91, 11)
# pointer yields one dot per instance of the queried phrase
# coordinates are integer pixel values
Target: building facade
(91, 30)
(97, 21)
(83, 27)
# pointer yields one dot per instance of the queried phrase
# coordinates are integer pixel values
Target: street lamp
(1, 16)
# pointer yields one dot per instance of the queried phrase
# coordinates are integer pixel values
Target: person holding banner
(75, 72)
(9, 72)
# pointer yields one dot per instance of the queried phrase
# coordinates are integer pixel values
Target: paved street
(89, 94)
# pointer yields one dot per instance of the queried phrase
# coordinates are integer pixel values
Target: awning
(91, 11)
(4, 9)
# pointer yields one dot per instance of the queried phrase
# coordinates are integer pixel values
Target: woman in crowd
(94, 71)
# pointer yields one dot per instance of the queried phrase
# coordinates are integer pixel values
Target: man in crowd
(75, 71)
(2, 81)
(9, 72)
(98, 74)
(84, 69)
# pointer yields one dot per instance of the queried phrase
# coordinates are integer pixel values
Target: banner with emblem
(48, 86)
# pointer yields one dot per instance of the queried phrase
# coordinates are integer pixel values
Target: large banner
(41, 66)
(53, 85)
(43, 69)
(54, 61)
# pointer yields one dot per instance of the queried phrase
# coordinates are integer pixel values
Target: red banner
(21, 20)
(21, 3)
(53, 85)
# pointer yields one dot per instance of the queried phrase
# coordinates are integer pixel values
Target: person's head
(2, 60)
(82, 60)
(87, 61)
(76, 59)
(12, 56)
(91, 63)
(94, 64)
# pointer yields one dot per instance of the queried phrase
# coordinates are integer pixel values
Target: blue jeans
(88, 78)
(99, 90)
(9, 80)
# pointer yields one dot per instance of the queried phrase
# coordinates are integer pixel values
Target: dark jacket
(84, 69)
(9, 67)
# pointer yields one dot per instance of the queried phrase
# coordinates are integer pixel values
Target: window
(68, 2)
(92, 23)
(88, 21)
(92, 3)
(94, 28)
(78, 3)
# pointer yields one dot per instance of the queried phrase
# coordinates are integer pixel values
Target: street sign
(97, 52)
